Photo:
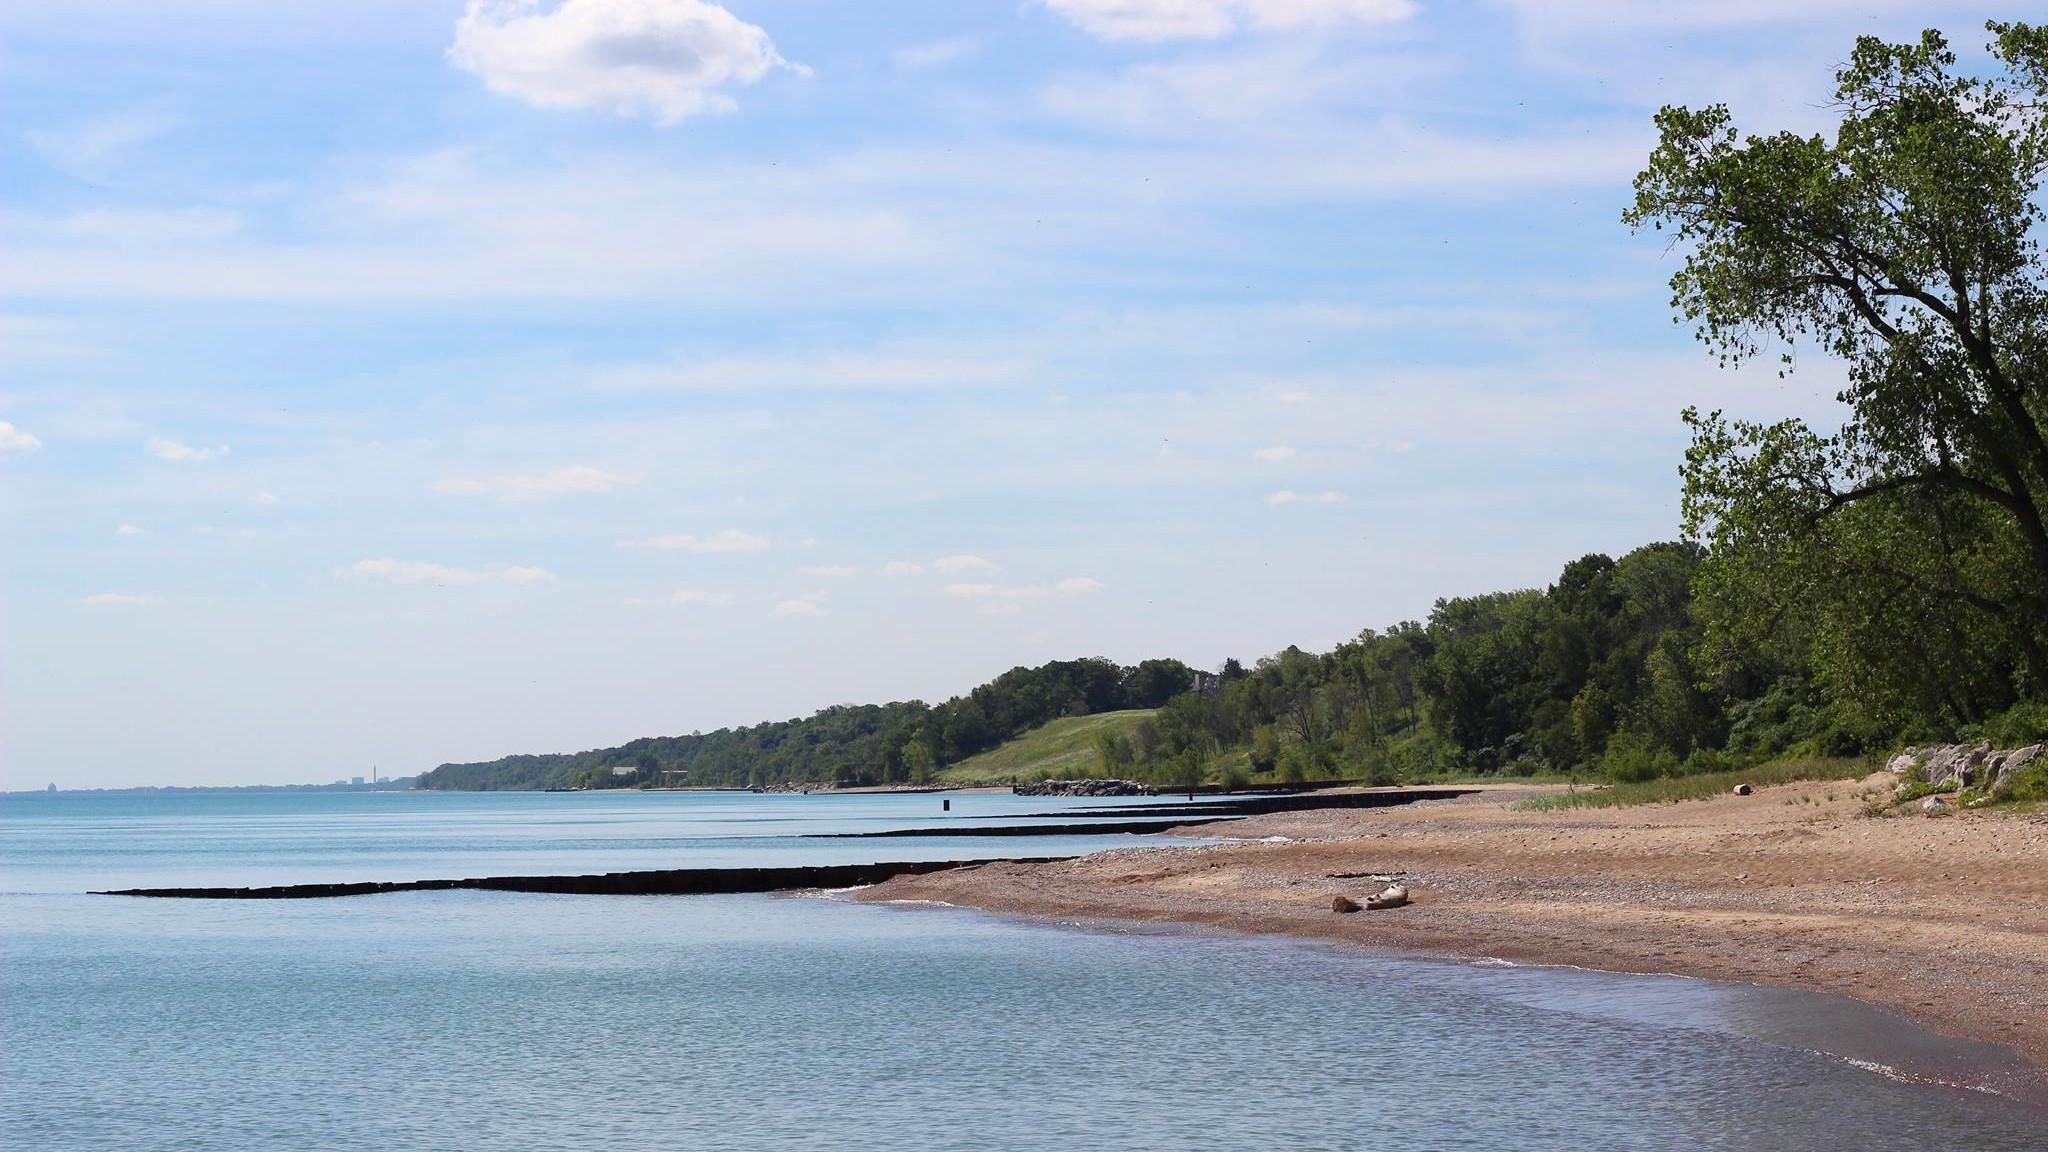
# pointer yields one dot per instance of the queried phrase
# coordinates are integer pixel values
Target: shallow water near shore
(503, 1021)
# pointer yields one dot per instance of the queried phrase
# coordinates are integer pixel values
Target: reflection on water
(82, 842)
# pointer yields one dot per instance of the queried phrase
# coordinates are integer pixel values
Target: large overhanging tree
(1907, 551)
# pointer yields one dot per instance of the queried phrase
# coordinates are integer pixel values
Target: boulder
(2001, 779)
(1393, 896)
(1905, 763)
(1343, 904)
(1935, 806)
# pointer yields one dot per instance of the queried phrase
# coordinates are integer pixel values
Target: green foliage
(1265, 749)
(1065, 748)
(2022, 724)
(1112, 754)
(1670, 790)
(845, 744)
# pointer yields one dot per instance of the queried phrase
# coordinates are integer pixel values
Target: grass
(1704, 786)
(1062, 746)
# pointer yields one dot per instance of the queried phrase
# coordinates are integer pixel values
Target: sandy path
(1945, 919)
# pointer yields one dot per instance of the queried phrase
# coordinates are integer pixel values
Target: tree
(1154, 682)
(1908, 248)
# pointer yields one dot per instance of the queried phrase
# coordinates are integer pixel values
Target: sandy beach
(1944, 919)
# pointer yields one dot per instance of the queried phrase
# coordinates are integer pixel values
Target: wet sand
(1944, 919)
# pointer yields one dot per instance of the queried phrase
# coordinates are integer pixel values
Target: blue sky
(399, 381)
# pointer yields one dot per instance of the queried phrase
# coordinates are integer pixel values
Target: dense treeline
(1608, 671)
(899, 743)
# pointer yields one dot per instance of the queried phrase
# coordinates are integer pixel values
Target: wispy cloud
(1290, 496)
(127, 530)
(902, 568)
(667, 59)
(1211, 19)
(832, 571)
(936, 53)
(726, 542)
(392, 571)
(122, 600)
(1275, 453)
(956, 565)
(90, 148)
(181, 453)
(684, 597)
(575, 478)
(803, 606)
(1071, 586)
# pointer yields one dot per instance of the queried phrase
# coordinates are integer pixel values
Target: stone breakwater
(1962, 768)
(1085, 788)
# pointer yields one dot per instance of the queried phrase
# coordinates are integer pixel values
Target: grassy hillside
(1066, 745)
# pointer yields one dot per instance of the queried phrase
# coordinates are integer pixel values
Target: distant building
(51, 788)
(356, 780)
(1207, 683)
(624, 770)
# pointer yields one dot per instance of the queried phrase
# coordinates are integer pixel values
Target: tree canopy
(1906, 553)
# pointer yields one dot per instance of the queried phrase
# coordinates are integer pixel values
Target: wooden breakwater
(1231, 807)
(658, 882)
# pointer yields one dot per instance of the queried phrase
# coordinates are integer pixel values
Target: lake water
(478, 1020)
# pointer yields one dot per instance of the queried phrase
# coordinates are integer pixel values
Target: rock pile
(1085, 788)
(1955, 767)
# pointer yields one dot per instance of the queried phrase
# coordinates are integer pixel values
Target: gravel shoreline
(1944, 919)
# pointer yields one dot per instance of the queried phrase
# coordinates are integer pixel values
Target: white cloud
(127, 530)
(727, 542)
(266, 499)
(538, 486)
(418, 572)
(177, 452)
(122, 600)
(902, 568)
(1276, 452)
(662, 58)
(14, 440)
(1073, 584)
(955, 565)
(803, 607)
(1210, 19)
(831, 571)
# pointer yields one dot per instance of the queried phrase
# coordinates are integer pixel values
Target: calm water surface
(477, 1020)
